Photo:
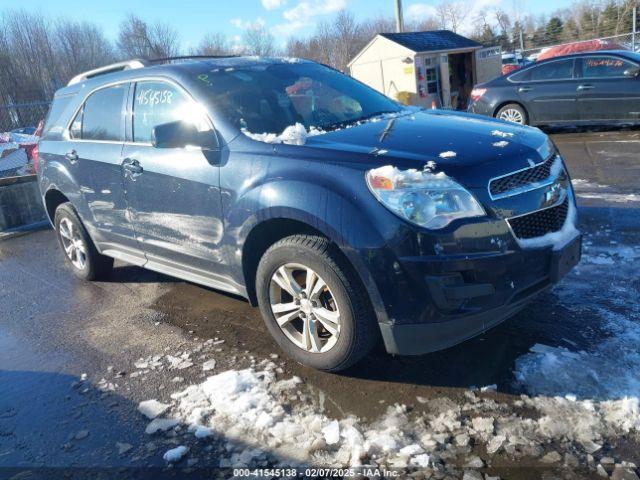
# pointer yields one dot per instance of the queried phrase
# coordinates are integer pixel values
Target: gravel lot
(552, 392)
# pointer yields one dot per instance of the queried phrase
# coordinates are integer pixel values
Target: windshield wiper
(346, 123)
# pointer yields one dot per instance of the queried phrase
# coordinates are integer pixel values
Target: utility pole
(399, 20)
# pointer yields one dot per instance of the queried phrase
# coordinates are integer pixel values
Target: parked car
(510, 63)
(342, 214)
(596, 87)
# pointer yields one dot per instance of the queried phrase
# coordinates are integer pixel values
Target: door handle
(132, 166)
(72, 156)
(525, 89)
(584, 87)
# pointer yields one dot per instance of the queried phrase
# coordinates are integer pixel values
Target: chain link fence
(627, 41)
(21, 115)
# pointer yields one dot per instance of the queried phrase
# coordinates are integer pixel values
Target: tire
(512, 112)
(78, 248)
(341, 305)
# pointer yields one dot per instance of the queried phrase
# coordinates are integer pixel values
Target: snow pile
(247, 406)
(261, 418)
(175, 454)
(152, 408)
(592, 392)
(292, 135)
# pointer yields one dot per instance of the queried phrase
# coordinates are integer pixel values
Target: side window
(156, 103)
(558, 70)
(101, 117)
(604, 67)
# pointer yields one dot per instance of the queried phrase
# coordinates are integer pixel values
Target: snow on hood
(293, 135)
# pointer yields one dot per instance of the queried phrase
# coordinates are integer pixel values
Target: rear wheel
(513, 113)
(80, 251)
(313, 305)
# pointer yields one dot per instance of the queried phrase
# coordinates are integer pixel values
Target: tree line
(39, 54)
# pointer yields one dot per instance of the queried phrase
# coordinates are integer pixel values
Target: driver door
(173, 194)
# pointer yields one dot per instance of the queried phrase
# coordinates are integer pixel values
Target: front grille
(499, 186)
(540, 223)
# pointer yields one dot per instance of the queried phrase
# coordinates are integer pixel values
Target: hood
(469, 147)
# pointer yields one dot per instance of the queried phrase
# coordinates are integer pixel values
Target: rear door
(173, 193)
(604, 92)
(548, 91)
(93, 154)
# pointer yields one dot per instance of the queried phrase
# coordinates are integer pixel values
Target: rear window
(604, 66)
(101, 117)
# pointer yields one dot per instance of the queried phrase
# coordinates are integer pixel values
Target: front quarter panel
(260, 186)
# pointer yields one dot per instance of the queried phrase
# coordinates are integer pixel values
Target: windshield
(270, 98)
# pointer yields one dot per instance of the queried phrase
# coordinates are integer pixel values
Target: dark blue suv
(342, 214)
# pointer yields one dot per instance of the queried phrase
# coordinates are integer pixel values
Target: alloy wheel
(73, 244)
(512, 115)
(304, 307)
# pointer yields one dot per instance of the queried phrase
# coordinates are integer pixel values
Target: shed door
(488, 64)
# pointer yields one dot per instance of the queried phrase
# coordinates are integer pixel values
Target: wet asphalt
(55, 328)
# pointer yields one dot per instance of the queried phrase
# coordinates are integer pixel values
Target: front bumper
(464, 308)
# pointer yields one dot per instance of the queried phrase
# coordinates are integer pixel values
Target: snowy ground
(183, 377)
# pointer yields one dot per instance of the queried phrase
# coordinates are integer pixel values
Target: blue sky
(193, 18)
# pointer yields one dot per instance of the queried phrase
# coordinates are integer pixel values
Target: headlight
(421, 197)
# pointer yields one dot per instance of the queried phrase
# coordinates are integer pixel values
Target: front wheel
(513, 113)
(313, 305)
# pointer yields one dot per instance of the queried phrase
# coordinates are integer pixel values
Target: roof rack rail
(187, 57)
(114, 67)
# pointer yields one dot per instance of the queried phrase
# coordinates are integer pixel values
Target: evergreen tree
(553, 30)
(609, 19)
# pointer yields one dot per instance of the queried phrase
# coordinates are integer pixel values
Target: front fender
(341, 218)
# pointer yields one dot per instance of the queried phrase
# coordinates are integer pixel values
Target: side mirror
(181, 134)
(632, 72)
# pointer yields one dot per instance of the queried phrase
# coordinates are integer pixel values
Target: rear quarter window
(55, 120)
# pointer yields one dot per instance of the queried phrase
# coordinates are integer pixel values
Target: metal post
(521, 40)
(633, 31)
(399, 20)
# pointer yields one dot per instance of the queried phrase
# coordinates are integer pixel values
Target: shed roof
(432, 41)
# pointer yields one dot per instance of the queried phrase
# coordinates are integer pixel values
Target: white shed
(438, 66)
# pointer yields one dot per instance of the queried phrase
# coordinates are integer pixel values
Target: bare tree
(258, 40)
(451, 15)
(80, 47)
(137, 39)
(213, 44)
(347, 39)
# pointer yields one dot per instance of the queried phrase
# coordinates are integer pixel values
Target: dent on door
(174, 199)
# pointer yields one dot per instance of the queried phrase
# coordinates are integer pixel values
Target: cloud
(285, 30)
(306, 9)
(273, 4)
(245, 24)
(420, 11)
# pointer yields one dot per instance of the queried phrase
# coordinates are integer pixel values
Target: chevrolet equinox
(343, 215)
